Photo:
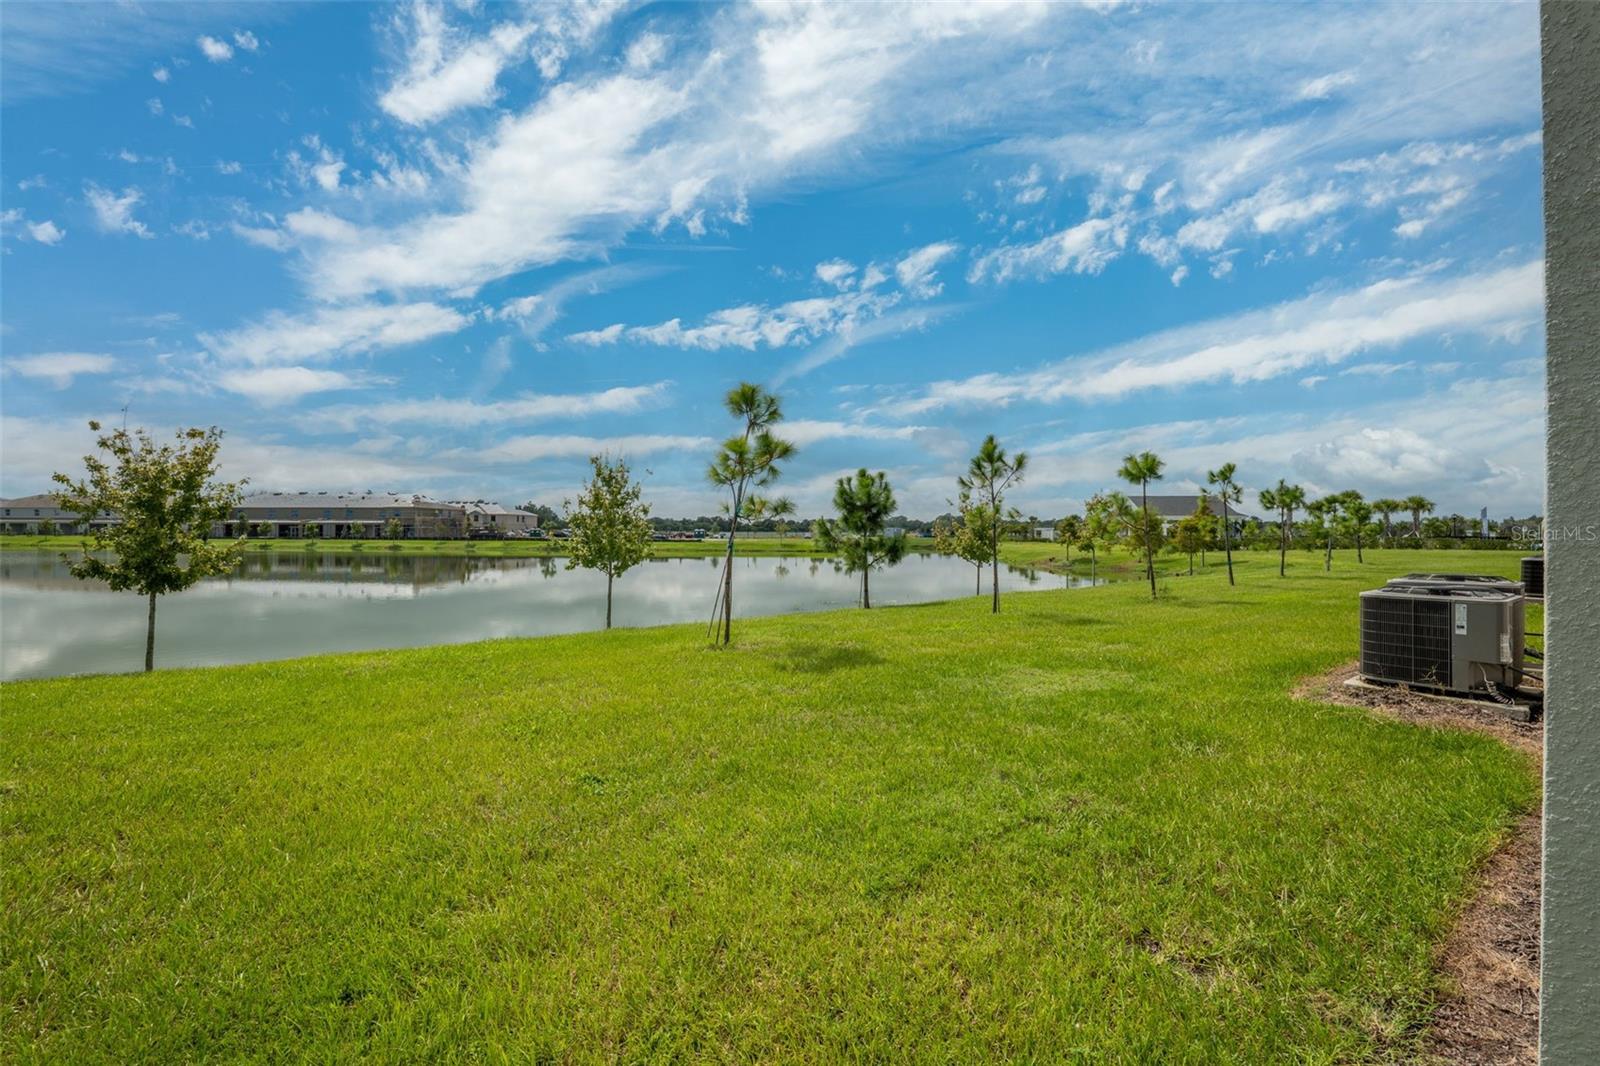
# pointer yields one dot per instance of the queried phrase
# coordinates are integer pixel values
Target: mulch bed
(1490, 961)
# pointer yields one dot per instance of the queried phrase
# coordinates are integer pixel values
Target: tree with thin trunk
(610, 524)
(967, 537)
(1069, 533)
(1418, 506)
(865, 503)
(1141, 469)
(749, 460)
(1193, 531)
(1355, 513)
(165, 500)
(1285, 499)
(1388, 507)
(1324, 514)
(1229, 492)
(1106, 517)
(989, 475)
(780, 511)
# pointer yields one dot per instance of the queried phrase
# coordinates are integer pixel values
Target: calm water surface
(277, 606)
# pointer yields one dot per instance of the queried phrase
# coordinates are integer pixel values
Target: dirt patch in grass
(1422, 708)
(1490, 1013)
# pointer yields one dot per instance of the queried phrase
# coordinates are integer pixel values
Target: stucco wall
(1570, 984)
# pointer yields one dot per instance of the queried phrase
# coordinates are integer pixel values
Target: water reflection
(284, 604)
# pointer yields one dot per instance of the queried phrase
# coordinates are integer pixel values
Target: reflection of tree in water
(780, 570)
(548, 567)
(814, 567)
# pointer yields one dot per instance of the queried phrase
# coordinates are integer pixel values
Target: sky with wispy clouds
(458, 247)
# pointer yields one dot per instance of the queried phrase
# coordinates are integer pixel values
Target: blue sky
(456, 248)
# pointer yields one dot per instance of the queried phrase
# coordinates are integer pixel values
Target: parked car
(484, 533)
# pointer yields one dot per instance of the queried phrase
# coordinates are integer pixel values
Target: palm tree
(1418, 506)
(1222, 478)
(780, 510)
(1141, 469)
(988, 476)
(1387, 507)
(742, 463)
(1285, 499)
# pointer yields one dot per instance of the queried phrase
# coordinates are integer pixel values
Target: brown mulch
(1490, 961)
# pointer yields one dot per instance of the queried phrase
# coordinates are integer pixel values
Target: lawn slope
(1092, 828)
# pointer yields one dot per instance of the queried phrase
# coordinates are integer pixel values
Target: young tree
(1229, 492)
(988, 477)
(1387, 507)
(1418, 506)
(1069, 534)
(864, 503)
(967, 537)
(393, 529)
(610, 526)
(1354, 513)
(745, 461)
(1285, 500)
(1193, 532)
(1323, 516)
(166, 502)
(780, 511)
(1141, 469)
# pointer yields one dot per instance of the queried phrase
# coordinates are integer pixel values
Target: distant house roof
(340, 499)
(492, 509)
(42, 499)
(1183, 506)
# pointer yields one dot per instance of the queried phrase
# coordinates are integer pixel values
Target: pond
(282, 605)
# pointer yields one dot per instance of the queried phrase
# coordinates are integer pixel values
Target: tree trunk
(1227, 541)
(866, 591)
(1358, 547)
(1327, 558)
(150, 637)
(1149, 555)
(1191, 564)
(979, 568)
(727, 569)
(994, 562)
(1283, 544)
(1094, 562)
(608, 600)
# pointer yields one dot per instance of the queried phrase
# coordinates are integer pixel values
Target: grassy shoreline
(1090, 828)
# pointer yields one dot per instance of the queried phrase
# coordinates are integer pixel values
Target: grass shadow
(826, 659)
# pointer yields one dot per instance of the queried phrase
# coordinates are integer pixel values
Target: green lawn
(1090, 829)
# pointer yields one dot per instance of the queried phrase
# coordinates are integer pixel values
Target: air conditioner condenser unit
(1454, 638)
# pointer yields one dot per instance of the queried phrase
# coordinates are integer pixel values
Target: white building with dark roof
(500, 518)
(25, 514)
(346, 514)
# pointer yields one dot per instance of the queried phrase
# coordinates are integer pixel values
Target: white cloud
(59, 368)
(322, 169)
(646, 51)
(917, 272)
(217, 51)
(752, 326)
(113, 213)
(1323, 87)
(15, 222)
(836, 272)
(281, 384)
(154, 105)
(245, 40)
(528, 407)
(529, 448)
(46, 232)
(161, 74)
(329, 332)
(226, 166)
(1086, 248)
(1318, 330)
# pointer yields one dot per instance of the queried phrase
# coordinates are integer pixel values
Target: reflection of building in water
(341, 514)
(362, 569)
(25, 513)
